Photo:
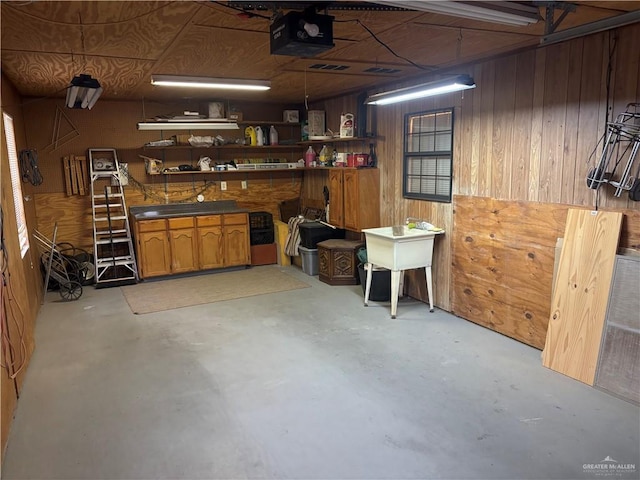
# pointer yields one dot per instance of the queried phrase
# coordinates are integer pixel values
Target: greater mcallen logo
(608, 467)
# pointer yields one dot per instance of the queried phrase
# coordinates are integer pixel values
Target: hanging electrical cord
(373, 35)
(29, 167)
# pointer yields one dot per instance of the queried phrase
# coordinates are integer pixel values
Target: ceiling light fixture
(83, 92)
(192, 125)
(455, 84)
(209, 82)
(593, 27)
(508, 13)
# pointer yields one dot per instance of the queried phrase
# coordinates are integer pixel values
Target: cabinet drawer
(181, 222)
(209, 220)
(152, 225)
(235, 219)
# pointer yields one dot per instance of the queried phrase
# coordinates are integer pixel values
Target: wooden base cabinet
(237, 250)
(354, 198)
(187, 244)
(153, 249)
(184, 245)
(210, 243)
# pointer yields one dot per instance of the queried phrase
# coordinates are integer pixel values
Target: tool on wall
(56, 140)
(619, 153)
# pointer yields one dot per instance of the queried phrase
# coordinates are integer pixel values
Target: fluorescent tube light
(209, 82)
(83, 92)
(508, 13)
(188, 126)
(593, 27)
(455, 84)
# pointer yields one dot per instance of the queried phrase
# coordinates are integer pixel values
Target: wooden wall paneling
(313, 187)
(487, 80)
(473, 140)
(503, 116)
(73, 214)
(522, 123)
(582, 291)
(24, 282)
(589, 120)
(390, 127)
(570, 143)
(554, 117)
(626, 64)
(537, 125)
(630, 235)
(463, 165)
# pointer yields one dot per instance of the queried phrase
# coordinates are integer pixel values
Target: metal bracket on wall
(56, 140)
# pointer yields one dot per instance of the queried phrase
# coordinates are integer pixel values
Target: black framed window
(428, 158)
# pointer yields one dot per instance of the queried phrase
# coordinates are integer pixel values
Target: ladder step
(105, 205)
(107, 262)
(112, 232)
(116, 281)
(113, 240)
(119, 194)
(105, 219)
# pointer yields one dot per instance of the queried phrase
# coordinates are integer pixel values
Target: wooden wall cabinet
(354, 198)
(188, 244)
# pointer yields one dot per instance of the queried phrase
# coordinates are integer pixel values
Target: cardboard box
(266, 254)
(316, 123)
(235, 116)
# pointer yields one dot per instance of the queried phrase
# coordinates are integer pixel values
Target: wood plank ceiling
(121, 43)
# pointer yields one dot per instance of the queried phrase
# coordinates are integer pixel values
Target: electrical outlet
(244, 184)
(223, 185)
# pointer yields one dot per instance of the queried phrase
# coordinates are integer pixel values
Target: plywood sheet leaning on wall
(579, 302)
(502, 264)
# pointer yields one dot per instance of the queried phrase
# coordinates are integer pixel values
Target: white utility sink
(412, 249)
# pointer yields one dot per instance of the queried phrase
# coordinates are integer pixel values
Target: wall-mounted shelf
(260, 170)
(337, 140)
(226, 147)
(268, 122)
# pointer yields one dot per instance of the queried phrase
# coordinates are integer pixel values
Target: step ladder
(114, 257)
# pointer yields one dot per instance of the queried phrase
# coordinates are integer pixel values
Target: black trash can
(380, 283)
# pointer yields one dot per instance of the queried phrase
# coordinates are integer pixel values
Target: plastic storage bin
(311, 233)
(309, 260)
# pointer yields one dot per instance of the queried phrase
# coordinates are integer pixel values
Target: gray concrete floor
(300, 384)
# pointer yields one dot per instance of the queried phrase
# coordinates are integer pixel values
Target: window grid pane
(14, 168)
(428, 155)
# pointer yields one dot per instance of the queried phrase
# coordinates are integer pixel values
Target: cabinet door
(336, 199)
(154, 256)
(184, 250)
(210, 247)
(350, 200)
(236, 245)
